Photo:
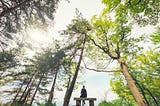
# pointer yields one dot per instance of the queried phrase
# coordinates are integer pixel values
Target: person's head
(83, 86)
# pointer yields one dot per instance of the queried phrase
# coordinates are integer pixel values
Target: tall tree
(145, 72)
(77, 30)
(37, 87)
(71, 87)
(112, 32)
(112, 37)
(49, 62)
(57, 63)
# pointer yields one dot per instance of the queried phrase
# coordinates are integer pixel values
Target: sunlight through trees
(35, 63)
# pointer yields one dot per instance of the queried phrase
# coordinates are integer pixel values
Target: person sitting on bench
(83, 93)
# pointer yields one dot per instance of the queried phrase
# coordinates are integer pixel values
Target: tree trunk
(15, 101)
(36, 89)
(136, 94)
(51, 93)
(70, 89)
(156, 102)
(69, 81)
(142, 90)
(27, 86)
(147, 91)
(18, 92)
(29, 89)
(68, 86)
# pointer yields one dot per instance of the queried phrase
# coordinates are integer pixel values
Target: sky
(97, 86)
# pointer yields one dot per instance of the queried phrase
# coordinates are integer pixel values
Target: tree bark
(136, 94)
(51, 93)
(70, 90)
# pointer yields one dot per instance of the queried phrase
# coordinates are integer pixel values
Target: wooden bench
(78, 101)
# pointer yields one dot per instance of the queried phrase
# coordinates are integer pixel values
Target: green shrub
(105, 103)
(17, 103)
(48, 104)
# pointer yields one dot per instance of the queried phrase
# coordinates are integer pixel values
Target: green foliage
(48, 60)
(114, 36)
(10, 57)
(105, 103)
(11, 22)
(7, 59)
(80, 26)
(111, 4)
(111, 32)
(144, 69)
(148, 71)
(77, 30)
(117, 102)
(120, 87)
(156, 36)
(48, 104)
(142, 11)
(17, 103)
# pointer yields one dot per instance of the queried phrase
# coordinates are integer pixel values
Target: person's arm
(81, 91)
(86, 92)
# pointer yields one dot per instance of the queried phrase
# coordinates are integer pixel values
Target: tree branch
(117, 50)
(105, 32)
(104, 49)
(98, 70)
(13, 8)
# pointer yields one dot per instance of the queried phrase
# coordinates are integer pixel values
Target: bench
(78, 101)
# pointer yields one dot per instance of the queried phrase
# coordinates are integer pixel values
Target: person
(83, 93)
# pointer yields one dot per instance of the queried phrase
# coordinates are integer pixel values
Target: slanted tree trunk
(69, 81)
(155, 101)
(136, 94)
(40, 80)
(142, 90)
(70, 89)
(68, 86)
(27, 87)
(18, 92)
(51, 93)
(131, 83)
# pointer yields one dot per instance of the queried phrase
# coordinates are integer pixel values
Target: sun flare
(39, 36)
